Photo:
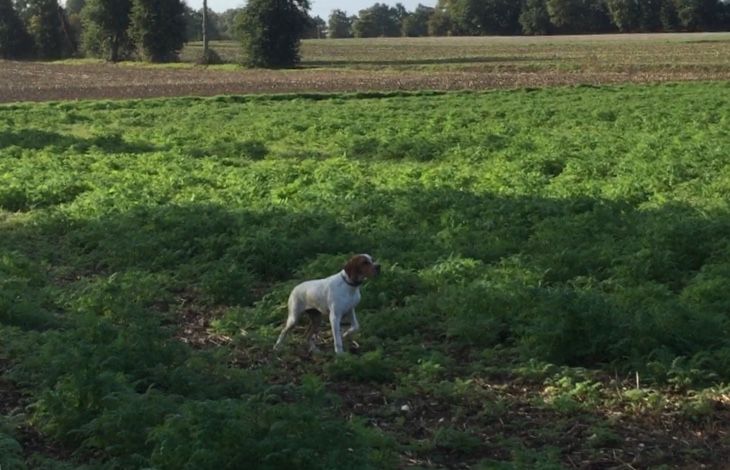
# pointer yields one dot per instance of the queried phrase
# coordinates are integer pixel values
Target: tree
(105, 25)
(466, 16)
(649, 19)
(193, 24)
(479, 17)
(380, 20)
(339, 25)
(564, 14)
(579, 16)
(440, 23)
(73, 12)
(15, 42)
(500, 16)
(698, 15)
(157, 28)
(416, 24)
(624, 14)
(316, 28)
(271, 31)
(74, 7)
(725, 20)
(534, 18)
(668, 16)
(227, 23)
(45, 27)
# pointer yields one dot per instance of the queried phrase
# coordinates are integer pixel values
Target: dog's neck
(349, 281)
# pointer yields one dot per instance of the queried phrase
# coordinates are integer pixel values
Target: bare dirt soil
(389, 64)
(37, 81)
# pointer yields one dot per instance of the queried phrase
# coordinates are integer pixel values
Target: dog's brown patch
(359, 267)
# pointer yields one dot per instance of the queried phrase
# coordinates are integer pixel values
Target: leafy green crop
(577, 226)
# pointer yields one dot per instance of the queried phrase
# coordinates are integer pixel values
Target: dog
(335, 296)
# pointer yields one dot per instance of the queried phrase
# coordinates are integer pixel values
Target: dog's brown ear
(352, 268)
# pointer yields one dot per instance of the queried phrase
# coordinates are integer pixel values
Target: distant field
(555, 287)
(391, 64)
(619, 52)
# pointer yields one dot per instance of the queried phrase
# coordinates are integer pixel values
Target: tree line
(532, 17)
(111, 29)
(270, 30)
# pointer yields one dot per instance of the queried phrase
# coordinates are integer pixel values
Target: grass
(554, 290)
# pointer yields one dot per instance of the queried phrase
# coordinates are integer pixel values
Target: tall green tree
(105, 25)
(579, 16)
(339, 25)
(45, 26)
(565, 15)
(534, 18)
(271, 31)
(501, 16)
(649, 19)
(698, 15)
(227, 23)
(625, 14)
(73, 13)
(380, 20)
(15, 42)
(668, 15)
(440, 23)
(194, 25)
(74, 6)
(157, 28)
(315, 28)
(416, 23)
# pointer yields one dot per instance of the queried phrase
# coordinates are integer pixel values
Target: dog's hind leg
(290, 322)
(315, 319)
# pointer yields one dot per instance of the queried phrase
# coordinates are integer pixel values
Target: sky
(320, 8)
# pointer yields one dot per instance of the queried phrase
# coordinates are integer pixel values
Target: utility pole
(205, 31)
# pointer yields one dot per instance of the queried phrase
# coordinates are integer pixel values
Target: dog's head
(360, 267)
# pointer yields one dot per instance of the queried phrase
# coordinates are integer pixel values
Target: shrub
(265, 431)
(370, 367)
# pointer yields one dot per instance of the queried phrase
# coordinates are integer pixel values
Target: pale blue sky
(319, 7)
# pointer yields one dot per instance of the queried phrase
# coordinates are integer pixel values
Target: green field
(555, 288)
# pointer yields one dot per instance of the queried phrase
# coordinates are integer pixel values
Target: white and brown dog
(335, 296)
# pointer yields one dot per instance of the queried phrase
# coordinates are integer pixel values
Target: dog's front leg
(354, 325)
(335, 318)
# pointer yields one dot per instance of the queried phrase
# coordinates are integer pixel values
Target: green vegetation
(15, 42)
(540, 249)
(271, 31)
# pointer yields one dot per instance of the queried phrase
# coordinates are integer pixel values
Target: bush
(370, 367)
(265, 431)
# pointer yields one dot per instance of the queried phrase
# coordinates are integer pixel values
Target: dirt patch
(36, 81)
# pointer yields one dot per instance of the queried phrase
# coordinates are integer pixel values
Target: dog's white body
(335, 296)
